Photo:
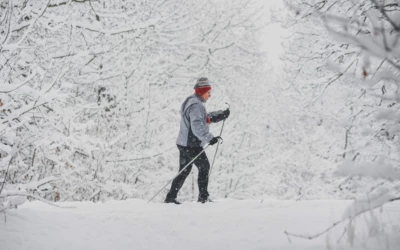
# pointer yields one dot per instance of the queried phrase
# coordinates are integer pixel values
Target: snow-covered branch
(18, 198)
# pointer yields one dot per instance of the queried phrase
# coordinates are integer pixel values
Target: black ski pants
(186, 155)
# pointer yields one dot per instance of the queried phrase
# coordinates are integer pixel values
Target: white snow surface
(224, 224)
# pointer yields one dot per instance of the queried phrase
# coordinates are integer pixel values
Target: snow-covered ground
(225, 224)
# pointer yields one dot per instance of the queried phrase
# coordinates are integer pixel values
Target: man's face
(206, 95)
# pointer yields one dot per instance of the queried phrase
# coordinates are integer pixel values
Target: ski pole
(178, 173)
(220, 134)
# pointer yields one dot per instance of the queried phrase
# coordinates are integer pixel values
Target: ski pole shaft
(183, 169)
(220, 134)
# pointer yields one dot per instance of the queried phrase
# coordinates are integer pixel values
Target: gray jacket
(194, 128)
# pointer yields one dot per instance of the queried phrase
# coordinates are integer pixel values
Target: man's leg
(203, 165)
(177, 183)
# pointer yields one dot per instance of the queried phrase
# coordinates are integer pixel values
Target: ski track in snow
(135, 224)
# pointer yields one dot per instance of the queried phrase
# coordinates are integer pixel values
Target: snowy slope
(226, 224)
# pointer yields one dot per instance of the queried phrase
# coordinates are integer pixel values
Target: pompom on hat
(202, 86)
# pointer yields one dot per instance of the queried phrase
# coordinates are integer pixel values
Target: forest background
(90, 94)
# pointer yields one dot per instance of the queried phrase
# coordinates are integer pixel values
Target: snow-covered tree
(325, 78)
(362, 52)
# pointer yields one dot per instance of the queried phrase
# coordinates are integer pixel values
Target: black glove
(226, 113)
(215, 140)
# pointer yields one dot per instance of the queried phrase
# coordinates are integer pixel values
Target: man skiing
(193, 135)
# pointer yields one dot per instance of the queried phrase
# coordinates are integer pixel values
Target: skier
(193, 134)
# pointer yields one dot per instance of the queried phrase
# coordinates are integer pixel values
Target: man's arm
(198, 123)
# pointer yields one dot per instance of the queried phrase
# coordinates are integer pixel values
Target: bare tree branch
(311, 237)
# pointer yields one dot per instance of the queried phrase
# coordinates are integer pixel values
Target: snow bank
(226, 224)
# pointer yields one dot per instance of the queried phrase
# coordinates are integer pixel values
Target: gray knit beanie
(202, 83)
